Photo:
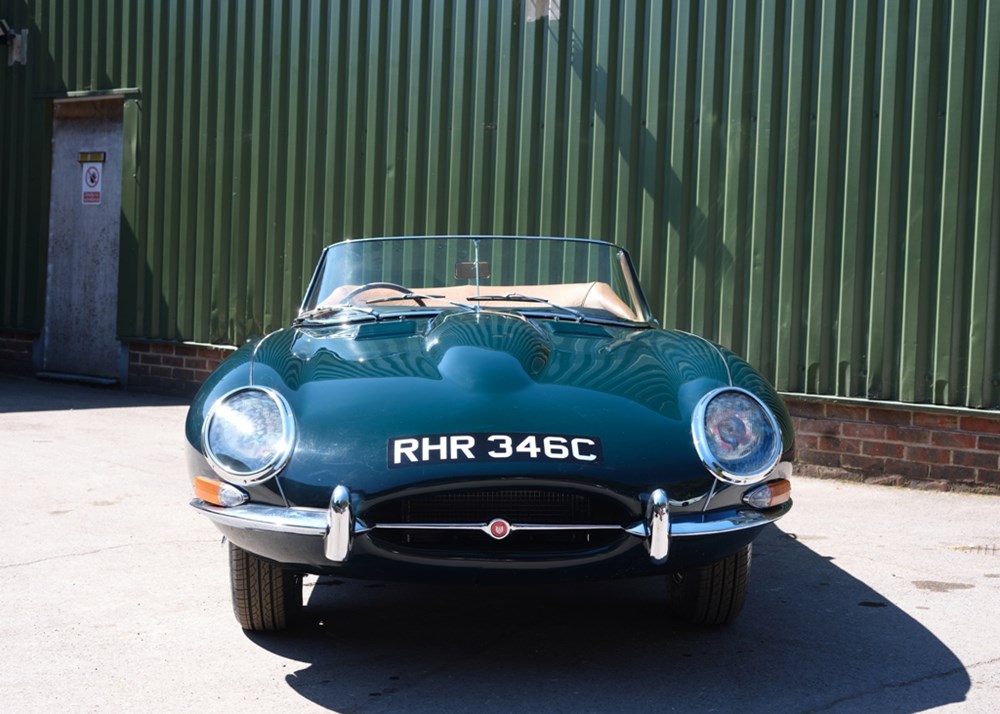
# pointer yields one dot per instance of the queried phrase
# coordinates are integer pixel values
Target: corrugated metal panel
(24, 180)
(812, 184)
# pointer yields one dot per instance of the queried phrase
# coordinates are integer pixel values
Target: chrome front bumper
(338, 526)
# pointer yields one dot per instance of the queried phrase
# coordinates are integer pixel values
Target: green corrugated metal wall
(814, 184)
(24, 178)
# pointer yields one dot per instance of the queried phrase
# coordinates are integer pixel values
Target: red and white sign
(93, 178)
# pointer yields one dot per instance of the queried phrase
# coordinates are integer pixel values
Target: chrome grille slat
(541, 520)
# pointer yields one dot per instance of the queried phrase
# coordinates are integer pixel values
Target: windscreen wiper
(405, 296)
(419, 298)
(348, 312)
(518, 297)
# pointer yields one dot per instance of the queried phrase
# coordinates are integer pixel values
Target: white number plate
(491, 447)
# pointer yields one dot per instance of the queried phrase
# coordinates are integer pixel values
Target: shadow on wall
(697, 234)
(810, 638)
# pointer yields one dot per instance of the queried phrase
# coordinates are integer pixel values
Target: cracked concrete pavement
(114, 597)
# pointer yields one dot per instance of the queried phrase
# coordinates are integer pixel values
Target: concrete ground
(114, 597)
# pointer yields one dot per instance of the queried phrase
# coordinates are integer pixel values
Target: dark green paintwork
(353, 387)
(361, 370)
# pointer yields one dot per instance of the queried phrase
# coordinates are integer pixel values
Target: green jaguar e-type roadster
(481, 407)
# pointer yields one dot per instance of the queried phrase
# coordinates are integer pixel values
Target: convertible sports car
(479, 407)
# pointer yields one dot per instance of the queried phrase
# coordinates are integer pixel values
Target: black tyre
(713, 594)
(266, 597)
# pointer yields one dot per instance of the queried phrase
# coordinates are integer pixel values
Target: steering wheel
(382, 286)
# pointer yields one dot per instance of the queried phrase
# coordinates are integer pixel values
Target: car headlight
(248, 435)
(736, 435)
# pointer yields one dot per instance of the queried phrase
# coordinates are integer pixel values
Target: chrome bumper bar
(338, 526)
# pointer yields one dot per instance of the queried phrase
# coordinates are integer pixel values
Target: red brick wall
(898, 444)
(171, 368)
(16, 351)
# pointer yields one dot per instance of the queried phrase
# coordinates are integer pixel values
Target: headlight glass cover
(249, 434)
(736, 435)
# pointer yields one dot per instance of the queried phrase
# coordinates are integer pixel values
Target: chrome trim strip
(485, 527)
(258, 517)
(739, 520)
(337, 545)
(317, 522)
(658, 515)
(711, 495)
(640, 530)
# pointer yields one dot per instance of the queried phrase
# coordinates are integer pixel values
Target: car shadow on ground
(811, 638)
(28, 394)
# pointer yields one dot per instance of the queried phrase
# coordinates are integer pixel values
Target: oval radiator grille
(515, 505)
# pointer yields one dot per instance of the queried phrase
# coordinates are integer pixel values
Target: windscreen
(579, 274)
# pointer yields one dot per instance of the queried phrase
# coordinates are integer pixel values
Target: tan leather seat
(595, 295)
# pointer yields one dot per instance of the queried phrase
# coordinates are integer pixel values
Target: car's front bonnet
(354, 389)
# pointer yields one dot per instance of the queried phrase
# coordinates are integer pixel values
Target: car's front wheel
(712, 594)
(266, 596)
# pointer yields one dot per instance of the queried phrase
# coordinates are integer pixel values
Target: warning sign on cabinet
(91, 185)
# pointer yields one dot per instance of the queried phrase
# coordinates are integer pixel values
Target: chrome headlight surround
(249, 435)
(754, 435)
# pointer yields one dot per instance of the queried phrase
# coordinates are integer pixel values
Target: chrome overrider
(337, 525)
